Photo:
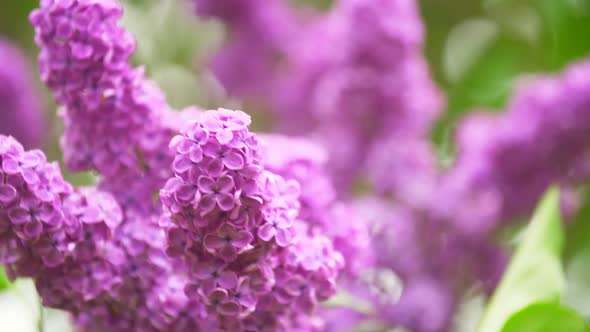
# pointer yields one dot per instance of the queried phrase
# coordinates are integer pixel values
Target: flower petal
(185, 193)
(234, 160)
(284, 236)
(19, 216)
(214, 242)
(212, 149)
(10, 166)
(33, 228)
(30, 176)
(228, 253)
(7, 193)
(225, 184)
(226, 202)
(215, 167)
(226, 231)
(227, 279)
(195, 154)
(181, 164)
(197, 133)
(206, 184)
(206, 204)
(242, 239)
(203, 270)
(266, 232)
(229, 309)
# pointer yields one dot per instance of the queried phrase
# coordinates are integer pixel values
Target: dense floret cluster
(250, 259)
(116, 121)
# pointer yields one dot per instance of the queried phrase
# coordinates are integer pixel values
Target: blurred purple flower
(23, 114)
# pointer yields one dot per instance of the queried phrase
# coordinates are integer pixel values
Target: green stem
(41, 320)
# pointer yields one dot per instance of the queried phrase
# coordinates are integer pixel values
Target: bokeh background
(477, 50)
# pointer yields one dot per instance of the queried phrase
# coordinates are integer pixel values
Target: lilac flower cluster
(115, 120)
(299, 159)
(505, 162)
(46, 224)
(109, 268)
(22, 114)
(250, 260)
(350, 77)
(352, 89)
(35, 231)
(84, 255)
(404, 169)
(430, 277)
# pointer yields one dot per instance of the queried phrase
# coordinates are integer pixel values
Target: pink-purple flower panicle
(236, 229)
(115, 119)
(365, 79)
(506, 161)
(305, 162)
(35, 230)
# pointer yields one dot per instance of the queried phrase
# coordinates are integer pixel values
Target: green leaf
(486, 83)
(4, 281)
(577, 256)
(535, 272)
(345, 300)
(545, 317)
(567, 25)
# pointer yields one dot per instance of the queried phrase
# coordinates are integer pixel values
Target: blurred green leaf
(4, 281)
(567, 25)
(545, 317)
(465, 44)
(578, 232)
(487, 83)
(535, 272)
(577, 256)
(319, 4)
(577, 293)
(345, 300)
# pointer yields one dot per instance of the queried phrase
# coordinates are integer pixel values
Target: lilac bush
(223, 250)
(197, 223)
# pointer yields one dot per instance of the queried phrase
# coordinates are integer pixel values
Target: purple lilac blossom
(35, 231)
(331, 75)
(115, 119)
(300, 159)
(357, 75)
(118, 265)
(424, 306)
(142, 295)
(506, 161)
(107, 268)
(433, 253)
(21, 114)
(404, 169)
(46, 224)
(234, 225)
